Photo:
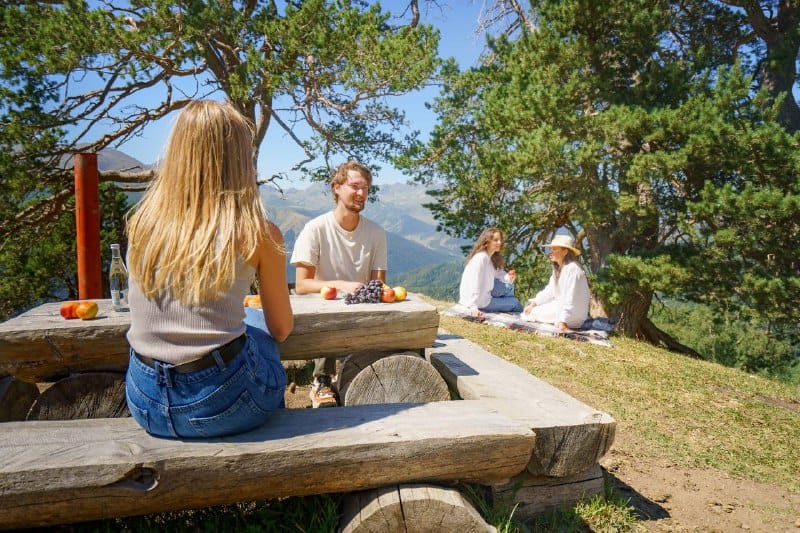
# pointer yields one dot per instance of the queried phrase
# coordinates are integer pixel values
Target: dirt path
(671, 498)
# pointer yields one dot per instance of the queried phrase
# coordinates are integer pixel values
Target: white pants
(547, 313)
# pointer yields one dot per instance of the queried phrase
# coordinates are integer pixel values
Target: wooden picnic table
(40, 345)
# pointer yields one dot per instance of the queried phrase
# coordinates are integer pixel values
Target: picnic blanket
(594, 330)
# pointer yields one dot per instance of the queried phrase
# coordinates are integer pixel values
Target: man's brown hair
(340, 176)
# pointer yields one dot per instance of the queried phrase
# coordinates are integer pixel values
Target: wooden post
(87, 224)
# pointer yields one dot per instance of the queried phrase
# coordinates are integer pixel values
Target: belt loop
(163, 374)
(218, 358)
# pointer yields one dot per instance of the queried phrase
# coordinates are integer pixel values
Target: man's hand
(529, 308)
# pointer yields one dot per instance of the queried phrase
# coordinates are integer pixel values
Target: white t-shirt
(477, 281)
(336, 253)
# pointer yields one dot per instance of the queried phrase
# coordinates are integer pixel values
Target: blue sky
(456, 21)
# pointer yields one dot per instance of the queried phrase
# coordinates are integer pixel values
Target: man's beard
(354, 207)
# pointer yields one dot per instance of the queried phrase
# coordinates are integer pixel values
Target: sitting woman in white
(485, 286)
(564, 302)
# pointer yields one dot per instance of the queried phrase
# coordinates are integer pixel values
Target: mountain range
(412, 238)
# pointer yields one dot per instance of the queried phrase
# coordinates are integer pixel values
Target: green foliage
(729, 339)
(39, 264)
(321, 70)
(646, 148)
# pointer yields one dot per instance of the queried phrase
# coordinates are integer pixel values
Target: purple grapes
(366, 294)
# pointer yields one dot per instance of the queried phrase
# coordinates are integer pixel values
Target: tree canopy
(323, 71)
(635, 127)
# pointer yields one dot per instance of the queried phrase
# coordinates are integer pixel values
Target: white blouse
(477, 281)
(571, 293)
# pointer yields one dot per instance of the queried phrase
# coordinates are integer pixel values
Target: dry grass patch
(696, 413)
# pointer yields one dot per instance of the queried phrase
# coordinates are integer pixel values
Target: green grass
(694, 413)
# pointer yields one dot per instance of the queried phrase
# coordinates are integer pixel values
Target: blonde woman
(195, 242)
(564, 302)
(485, 286)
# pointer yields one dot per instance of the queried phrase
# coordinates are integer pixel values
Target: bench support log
(570, 436)
(16, 398)
(90, 395)
(540, 494)
(417, 508)
(399, 378)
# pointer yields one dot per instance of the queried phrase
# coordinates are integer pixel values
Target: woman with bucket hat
(564, 302)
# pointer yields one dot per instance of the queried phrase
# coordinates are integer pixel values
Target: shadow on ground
(643, 507)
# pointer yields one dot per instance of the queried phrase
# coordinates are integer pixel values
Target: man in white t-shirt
(339, 249)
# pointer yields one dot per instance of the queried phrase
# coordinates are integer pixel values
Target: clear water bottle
(118, 280)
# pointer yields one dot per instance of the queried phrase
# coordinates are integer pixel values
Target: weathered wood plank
(40, 345)
(540, 494)
(58, 472)
(570, 435)
(413, 508)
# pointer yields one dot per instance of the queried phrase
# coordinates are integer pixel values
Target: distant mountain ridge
(412, 240)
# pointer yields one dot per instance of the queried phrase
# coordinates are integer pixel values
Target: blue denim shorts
(225, 399)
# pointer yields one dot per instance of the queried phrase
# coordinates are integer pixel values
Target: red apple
(387, 295)
(68, 310)
(329, 293)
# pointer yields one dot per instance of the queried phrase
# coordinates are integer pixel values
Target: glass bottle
(118, 280)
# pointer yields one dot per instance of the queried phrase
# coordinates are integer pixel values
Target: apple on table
(387, 295)
(329, 293)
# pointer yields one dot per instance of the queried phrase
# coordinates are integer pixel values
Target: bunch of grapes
(366, 294)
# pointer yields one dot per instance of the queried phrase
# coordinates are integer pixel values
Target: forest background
(662, 135)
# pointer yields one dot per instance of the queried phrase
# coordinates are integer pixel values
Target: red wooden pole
(87, 224)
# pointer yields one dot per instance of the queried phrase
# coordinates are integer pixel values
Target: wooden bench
(512, 430)
(570, 436)
(40, 345)
(59, 472)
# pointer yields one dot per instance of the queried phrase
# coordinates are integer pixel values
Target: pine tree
(600, 122)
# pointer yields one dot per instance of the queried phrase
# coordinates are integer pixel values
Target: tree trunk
(632, 321)
(782, 39)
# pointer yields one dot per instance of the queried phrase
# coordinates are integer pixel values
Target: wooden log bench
(570, 436)
(56, 472)
(512, 430)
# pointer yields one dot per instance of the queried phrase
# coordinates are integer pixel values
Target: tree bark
(632, 321)
(781, 37)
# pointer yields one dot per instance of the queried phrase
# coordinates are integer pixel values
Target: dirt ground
(669, 498)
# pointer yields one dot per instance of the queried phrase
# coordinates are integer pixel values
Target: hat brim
(573, 250)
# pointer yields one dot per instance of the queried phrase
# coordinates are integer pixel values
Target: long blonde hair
(202, 211)
(482, 244)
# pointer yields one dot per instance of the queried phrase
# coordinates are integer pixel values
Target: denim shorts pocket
(140, 415)
(244, 414)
